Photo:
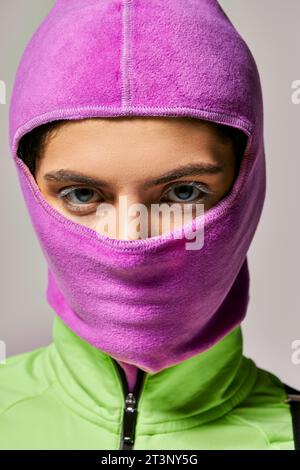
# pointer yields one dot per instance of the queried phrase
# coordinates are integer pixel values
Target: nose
(132, 218)
(127, 219)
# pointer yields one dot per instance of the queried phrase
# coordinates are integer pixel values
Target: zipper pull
(129, 419)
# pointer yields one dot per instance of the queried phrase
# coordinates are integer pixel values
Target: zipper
(130, 411)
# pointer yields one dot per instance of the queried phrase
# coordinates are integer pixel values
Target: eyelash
(200, 186)
(79, 207)
(82, 207)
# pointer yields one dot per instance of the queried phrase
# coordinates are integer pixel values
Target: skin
(125, 154)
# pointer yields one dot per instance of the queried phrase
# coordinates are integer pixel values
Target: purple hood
(97, 58)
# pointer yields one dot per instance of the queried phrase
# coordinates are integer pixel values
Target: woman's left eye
(186, 192)
(79, 196)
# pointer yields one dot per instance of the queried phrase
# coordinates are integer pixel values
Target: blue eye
(187, 192)
(79, 195)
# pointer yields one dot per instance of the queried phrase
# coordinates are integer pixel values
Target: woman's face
(146, 160)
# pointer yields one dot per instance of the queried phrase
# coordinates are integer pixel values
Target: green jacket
(69, 395)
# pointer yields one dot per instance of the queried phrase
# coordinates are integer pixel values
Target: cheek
(49, 194)
(224, 188)
(228, 177)
(220, 189)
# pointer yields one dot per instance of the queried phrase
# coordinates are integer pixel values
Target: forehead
(128, 130)
(120, 142)
(144, 137)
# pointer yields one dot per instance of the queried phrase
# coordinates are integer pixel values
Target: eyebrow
(187, 170)
(67, 175)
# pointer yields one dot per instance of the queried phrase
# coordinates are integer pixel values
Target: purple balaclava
(149, 303)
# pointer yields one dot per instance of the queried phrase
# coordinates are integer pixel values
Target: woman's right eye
(79, 198)
(81, 195)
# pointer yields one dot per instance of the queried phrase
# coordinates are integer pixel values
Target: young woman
(158, 103)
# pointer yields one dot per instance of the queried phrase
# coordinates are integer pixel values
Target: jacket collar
(197, 390)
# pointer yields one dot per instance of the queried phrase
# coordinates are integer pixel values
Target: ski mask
(150, 303)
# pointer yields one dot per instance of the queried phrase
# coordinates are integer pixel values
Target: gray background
(272, 31)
